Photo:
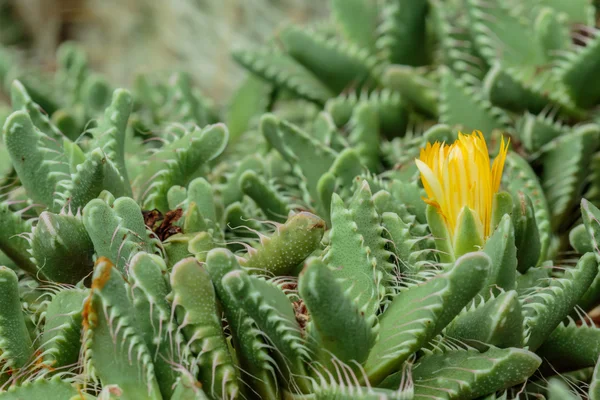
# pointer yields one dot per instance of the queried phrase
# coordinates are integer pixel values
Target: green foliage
(159, 246)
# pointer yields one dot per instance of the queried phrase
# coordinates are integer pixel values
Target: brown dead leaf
(166, 227)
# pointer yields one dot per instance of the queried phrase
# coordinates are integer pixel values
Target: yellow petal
(459, 175)
(429, 178)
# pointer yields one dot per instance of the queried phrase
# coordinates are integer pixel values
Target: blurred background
(123, 37)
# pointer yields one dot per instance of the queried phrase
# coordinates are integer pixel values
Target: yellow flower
(460, 175)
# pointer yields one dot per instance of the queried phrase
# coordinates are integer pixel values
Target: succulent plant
(332, 234)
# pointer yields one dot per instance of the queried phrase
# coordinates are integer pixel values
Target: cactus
(337, 232)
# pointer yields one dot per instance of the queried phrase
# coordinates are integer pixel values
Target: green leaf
(563, 177)
(273, 314)
(503, 253)
(195, 305)
(153, 315)
(118, 232)
(571, 347)
(391, 109)
(357, 20)
(419, 313)
(62, 248)
(11, 243)
(250, 100)
(248, 339)
(364, 135)
(502, 203)
(518, 177)
(419, 91)
(560, 390)
(177, 163)
(290, 244)
(44, 389)
(337, 64)
(22, 101)
(464, 106)
(519, 89)
(577, 11)
(553, 32)
(546, 308)
(535, 131)
(594, 391)
(62, 329)
(94, 175)
(265, 196)
(468, 235)
(441, 235)
(110, 133)
(468, 374)
(15, 343)
(576, 70)
(349, 257)
(403, 32)
(37, 158)
(337, 325)
(283, 71)
(309, 157)
(498, 34)
(497, 321)
(116, 356)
